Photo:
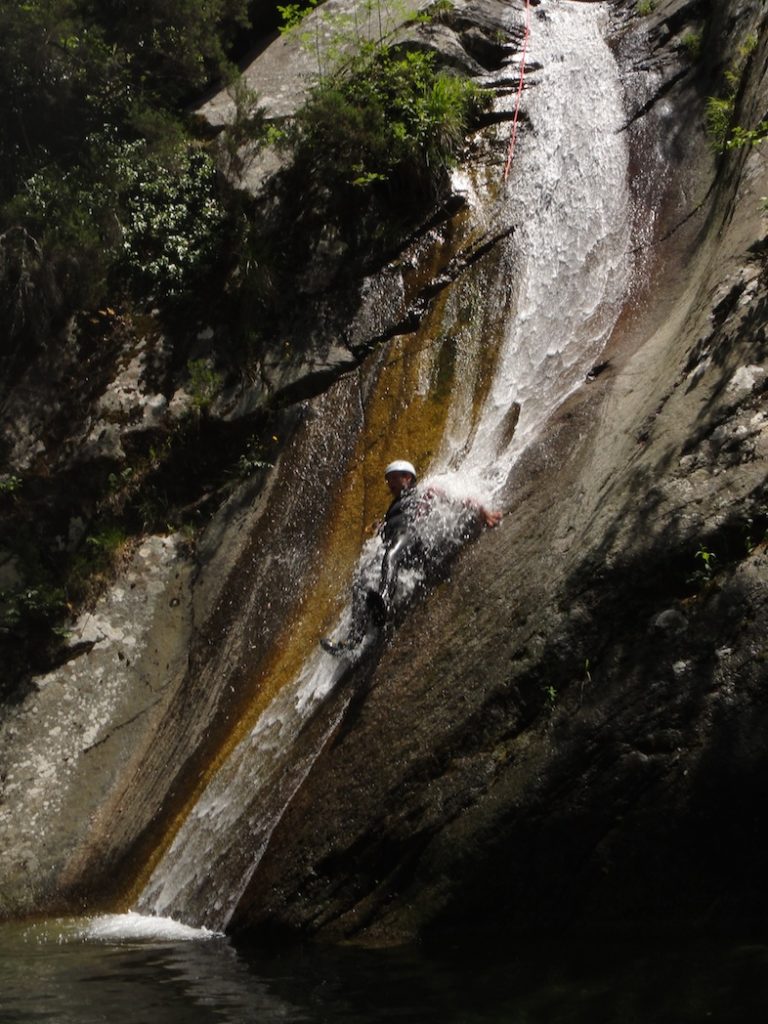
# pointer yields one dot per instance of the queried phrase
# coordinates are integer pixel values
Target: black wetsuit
(401, 544)
(402, 547)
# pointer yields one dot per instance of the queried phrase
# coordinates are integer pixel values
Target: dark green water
(48, 973)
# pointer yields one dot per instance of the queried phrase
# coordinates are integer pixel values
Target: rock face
(560, 735)
(90, 723)
(567, 732)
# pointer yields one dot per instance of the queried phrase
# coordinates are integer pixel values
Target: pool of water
(130, 970)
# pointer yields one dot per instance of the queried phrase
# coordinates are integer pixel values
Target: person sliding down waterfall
(405, 545)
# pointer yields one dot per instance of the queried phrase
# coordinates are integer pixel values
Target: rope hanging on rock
(513, 133)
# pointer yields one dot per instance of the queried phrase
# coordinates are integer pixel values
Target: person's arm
(488, 517)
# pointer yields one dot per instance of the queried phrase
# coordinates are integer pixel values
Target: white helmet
(400, 466)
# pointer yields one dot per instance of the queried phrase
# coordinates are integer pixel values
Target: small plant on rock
(720, 110)
(706, 560)
(691, 44)
(718, 118)
(9, 483)
(204, 383)
(747, 136)
(292, 15)
(439, 11)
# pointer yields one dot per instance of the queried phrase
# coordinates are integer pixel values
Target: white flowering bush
(171, 217)
(153, 218)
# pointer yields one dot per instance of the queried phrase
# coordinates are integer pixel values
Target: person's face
(397, 482)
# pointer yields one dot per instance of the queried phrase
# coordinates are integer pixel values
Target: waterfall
(208, 866)
(572, 237)
(568, 255)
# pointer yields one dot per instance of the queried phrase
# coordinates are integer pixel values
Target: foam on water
(132, 927)
(115, 928)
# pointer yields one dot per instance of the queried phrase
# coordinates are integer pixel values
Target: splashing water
(572, 239)
(114, 929)
(208, 866)
(133, 927)
(569, 258)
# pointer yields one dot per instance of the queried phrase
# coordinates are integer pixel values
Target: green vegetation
(133, 216)
(104, 191)
(107, 195)
(112, 199)
(706, 566)
(388, 115)
(204, 383)
(646, 7)
(9, 484)
(49, 586)
(748, 136)
(247, 129)
(252, 459)
(437, 12)
(720, 110)
(292, 15)
(94, 562)
(370, 149)
(691, 43)
(68, 67)
(707, 559)
(718, 119)
(39, 606)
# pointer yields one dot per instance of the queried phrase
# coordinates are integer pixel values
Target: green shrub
(748, 47)
(292, 15)
(367, 151)
(69, 67)
(204, 383)
(247, 128)
(720, 110)
(102, 190)
(152, 218)
(438, 12)
(30, 606)
(388, 112)
(691, 43)
(29, 299)
(747, 136)
(9, 483)
(94, 563)
(718, 119)
(172, 218)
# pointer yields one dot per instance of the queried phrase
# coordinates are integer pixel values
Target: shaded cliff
(112, 421)
(567, 730)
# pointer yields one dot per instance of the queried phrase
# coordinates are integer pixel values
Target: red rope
(513, 133)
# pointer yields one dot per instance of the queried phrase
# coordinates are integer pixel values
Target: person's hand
(491, 519)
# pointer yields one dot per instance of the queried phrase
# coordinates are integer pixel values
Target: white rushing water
(571, 206)
(570, 256)
(210, 862)
(133, 927)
